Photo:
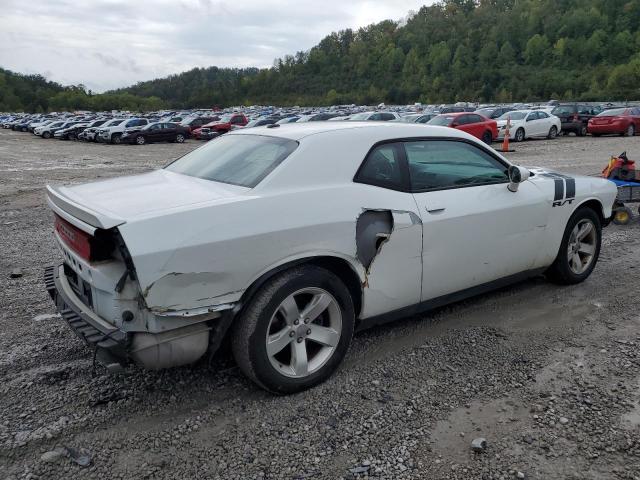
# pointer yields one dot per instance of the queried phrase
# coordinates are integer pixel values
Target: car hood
(109, 203)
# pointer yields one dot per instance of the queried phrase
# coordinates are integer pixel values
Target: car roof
(297, 131)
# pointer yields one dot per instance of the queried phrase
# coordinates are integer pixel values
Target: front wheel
(116, 138)
(487, 138)
(553, 132)
(46, 134)
(180, 138)
(579, 249)
(140, 140)
(295, 331)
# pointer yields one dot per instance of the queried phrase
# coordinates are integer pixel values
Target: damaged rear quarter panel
(209, 254)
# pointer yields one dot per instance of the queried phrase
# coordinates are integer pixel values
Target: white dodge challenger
(284, 240)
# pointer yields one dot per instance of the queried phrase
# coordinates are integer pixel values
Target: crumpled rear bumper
(111, 343)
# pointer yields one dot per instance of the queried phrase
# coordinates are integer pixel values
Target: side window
(542, 115)
(157, 126)
(462, 120)
(441, 164)
(584, 109)
(382, 167)
(375, 116)
(387, 116)
(532, 116)
(475, 118)
(236, 120)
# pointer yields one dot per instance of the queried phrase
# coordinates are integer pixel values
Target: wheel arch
(337, 265)
(595, 205)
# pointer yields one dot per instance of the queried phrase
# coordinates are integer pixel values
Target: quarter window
(442, 164)
(382, 167)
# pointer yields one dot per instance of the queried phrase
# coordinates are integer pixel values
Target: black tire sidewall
(563, 261)
(310, 276)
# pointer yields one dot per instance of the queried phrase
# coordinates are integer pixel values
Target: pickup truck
(223, 125)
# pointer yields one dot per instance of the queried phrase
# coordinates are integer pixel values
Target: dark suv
(575, 116)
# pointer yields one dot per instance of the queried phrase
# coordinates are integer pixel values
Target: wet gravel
(549, 376)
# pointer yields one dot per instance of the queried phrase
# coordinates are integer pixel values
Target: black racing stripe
(571, 187)
(559, 189)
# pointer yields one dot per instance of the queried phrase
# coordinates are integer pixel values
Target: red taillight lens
(76, 239)
(91, 248)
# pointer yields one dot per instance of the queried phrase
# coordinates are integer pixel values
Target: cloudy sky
(106, 44)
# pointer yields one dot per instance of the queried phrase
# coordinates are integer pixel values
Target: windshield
(442, 120)
(614, 112)
(236, 159)
(513, 115)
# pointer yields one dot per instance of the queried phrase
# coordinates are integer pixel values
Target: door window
(382, 167)
(442, 164)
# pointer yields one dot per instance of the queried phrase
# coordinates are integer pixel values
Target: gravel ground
(549, 376)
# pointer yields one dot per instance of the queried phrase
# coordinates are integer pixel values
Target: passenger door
(532, 125)
(169, 131)
(474, 229)
(154, 133)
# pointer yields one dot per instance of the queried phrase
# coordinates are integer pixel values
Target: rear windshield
(236, 159)
(613, 112)
(564, 110)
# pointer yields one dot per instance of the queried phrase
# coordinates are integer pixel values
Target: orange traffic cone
(505, 142)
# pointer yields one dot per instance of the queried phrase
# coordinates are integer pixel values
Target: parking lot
(549, 375)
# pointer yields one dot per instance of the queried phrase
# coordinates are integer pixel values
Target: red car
(621, 121)
(224, 124)
(473, 123)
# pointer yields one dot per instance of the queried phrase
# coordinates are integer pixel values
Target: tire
(487, 137)
(630, 131)
(46, 134)
(180, 138)
(553, 132)
(140, 140)
(622, 216)
(116, 138)
(264, 316)
(564, 269)
(583, 131)
(519, 136)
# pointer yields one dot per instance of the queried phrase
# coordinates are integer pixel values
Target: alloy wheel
(581, 248)
(304, 332)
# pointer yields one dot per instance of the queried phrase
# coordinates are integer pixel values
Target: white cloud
(107, 44)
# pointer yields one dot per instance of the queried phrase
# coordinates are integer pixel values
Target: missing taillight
(92, 248)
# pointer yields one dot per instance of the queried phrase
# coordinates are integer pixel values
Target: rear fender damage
(386, 239)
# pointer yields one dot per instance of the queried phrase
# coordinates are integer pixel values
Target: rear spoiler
(84, 218)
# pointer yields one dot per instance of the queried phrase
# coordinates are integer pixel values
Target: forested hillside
(474, 50)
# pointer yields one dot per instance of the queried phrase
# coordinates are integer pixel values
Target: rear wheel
(553, 132)
(579, 249)
(295, 331)
(487, 137)
(519, 135)
(582, 131)
(116, 138)
(631, 130)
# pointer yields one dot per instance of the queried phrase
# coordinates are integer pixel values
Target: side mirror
(455, 124)
(517, 175)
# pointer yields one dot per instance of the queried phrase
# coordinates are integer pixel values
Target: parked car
(90, 131)
(284, 120)
(575, 117)
(260, 122)
(155, 132)
(112, 132)
(317, 117)
(494, 112)
(472, 123)
(70, 132)
(225, 123)
(416, 118)
(528, 124)
(47, 131)
(196, 122)
(620, 121)
(343, 226)
(374, 116)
